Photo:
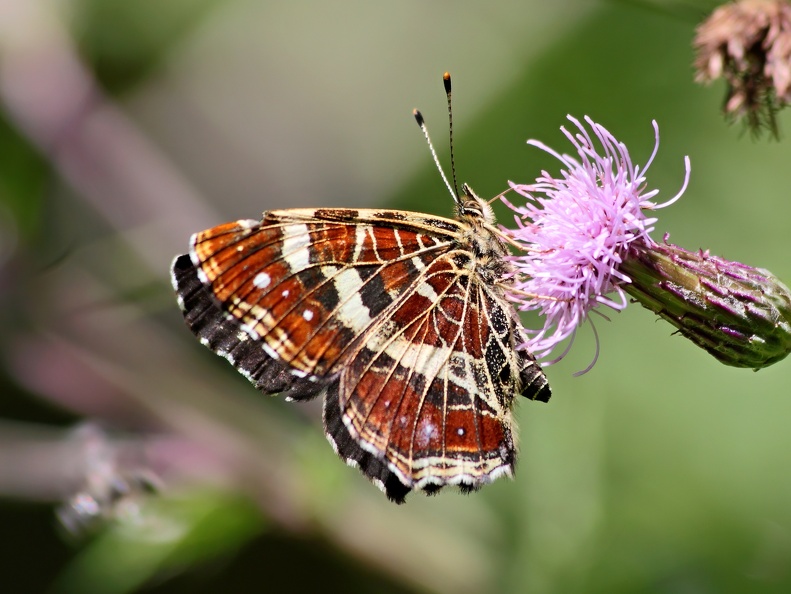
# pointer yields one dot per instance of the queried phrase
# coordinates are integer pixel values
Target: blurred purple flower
(576, 231)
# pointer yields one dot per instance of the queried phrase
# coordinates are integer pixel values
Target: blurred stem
(52, 97)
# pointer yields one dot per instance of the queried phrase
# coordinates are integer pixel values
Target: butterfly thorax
(479, 238)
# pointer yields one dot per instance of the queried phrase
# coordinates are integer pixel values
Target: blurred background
(133, 459)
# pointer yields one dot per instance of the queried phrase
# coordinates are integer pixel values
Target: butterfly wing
(377, 309)
(298, 287)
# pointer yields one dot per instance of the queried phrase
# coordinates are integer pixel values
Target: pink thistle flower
(576, 231)
(586, 235)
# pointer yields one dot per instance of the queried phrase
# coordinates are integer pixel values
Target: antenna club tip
(446, 81)
(418, 117)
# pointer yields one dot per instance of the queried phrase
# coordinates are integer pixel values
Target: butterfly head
(472, 208)
(481, 238)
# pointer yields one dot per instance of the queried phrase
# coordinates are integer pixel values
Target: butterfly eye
(472, 207)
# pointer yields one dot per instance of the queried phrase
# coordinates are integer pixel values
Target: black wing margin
(223, 333)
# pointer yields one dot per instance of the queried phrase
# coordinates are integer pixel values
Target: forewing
(282, 299)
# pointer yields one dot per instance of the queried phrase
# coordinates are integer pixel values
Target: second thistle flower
(748, 43)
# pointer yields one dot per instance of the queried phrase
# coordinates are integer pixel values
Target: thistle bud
(739, 314)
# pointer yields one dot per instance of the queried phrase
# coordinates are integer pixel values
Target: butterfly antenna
(422, 123)
(446, 82)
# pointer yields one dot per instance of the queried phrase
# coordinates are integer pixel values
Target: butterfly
(397, 319)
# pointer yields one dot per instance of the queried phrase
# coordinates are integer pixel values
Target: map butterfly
(397, 319)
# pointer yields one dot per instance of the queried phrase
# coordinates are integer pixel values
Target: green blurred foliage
(165, 536)
(22, 184)
(126, 41)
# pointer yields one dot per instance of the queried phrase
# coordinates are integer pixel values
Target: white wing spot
(460, 431)
(202, 277)
(296, 245)
(247, 223)
(308, 315)
(426, 433)
(250, 331)
(352, 310)
(426, 290)
(262, 280)
(359, 241)
(285, 293)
